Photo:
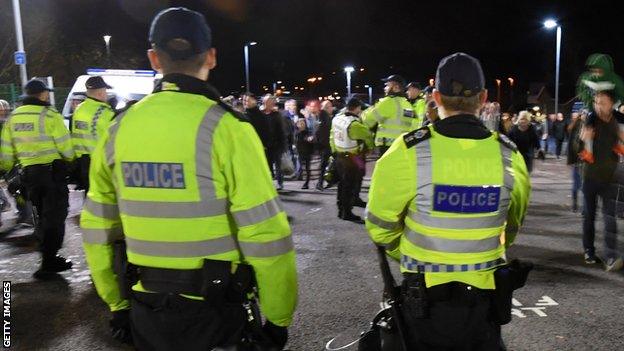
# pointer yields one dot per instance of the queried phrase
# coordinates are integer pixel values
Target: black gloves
(278, 335)
(120, 326)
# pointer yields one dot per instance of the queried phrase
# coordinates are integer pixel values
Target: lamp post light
(246, 49)
(348, 70)
(498, 90)
(511, 90)
(107, 39)
(370, 93)
(550, 24)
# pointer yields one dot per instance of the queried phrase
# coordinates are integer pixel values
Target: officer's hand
(277, 334)
(120, 326)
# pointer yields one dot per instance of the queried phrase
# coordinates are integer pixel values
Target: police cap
(459, 75)
(180, 32)
(354, 103)
(415, 85)
(96, 82)
(35, 86)
(395, 78)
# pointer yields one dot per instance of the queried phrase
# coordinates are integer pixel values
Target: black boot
(52, 264)
(305, 185)
(357, 202)
(319, 185)
(349, 216)
(340, 213)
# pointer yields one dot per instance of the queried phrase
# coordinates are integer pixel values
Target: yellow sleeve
(393, 186)
(519, 198)
(7, 153)
(101, 227)
(56, 128)
(376, 114)
(263, 231)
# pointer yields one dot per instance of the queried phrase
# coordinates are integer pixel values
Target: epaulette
(503, 139)
(416, 136)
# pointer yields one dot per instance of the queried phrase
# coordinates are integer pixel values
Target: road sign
(20, 57)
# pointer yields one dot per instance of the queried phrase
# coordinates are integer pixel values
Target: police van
(128, 85)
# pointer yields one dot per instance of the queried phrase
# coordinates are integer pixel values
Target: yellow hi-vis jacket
(448, 207)
(182, 178)
(90, 121)
(34, 134)
(393, 116)
(420, 109)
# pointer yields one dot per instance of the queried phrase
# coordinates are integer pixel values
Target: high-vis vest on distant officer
(394, 116)
(340, 130)
(35, 134)
(419, 107)
(184, 184)
(89, 122)
(459, 207)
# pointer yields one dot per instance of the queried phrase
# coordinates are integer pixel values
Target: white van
(127, 85)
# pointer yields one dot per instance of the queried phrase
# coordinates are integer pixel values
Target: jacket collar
(31, 100)
(187, 84)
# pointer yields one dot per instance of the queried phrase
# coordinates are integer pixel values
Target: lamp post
(19, 38)
(370, 93)
(550, 24)
(348, 70)
(252, 43)
(107, 39)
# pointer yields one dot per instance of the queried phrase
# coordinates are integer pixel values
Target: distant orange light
(431, 82)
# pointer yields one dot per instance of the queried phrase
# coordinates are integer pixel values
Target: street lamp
(348, 70)
(107, 39)
(498, 84)
(511, 91)
(19, 38)
(251, 43)
(370, 94)
(550, 24)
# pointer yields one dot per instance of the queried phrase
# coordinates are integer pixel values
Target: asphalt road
(566, 304)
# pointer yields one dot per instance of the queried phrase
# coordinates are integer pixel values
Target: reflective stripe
(452, 245)
(68, 154)
(31, 139)
(42, 116)
(181, 249)
(25, 113)
(387, 129)
(393, 245)
(203, 151)
(427, 267)
(110, 144)
(62, 139)
(508, 179)
(37, 153)
(424, 192)
(258, 213)
(380, 222)
(493, 221)
(378, 116)
(102, 236)
(169, 209)
(82, 136)
(85, 148)
(267, 249)
(102, 210)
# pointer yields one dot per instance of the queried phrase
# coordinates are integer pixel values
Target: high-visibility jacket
(448, 207)
(90, 121)
(34, 134)
(182, 178)
(348, 134)
(393, 115)
(420, 108)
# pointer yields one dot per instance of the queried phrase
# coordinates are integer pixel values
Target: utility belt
(416, 298)
(347, 154)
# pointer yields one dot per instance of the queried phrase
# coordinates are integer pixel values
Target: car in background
(127, 85)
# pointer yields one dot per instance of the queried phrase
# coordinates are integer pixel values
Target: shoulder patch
(503, 139)
(414, 137)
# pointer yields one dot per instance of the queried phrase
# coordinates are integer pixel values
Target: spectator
(291, 116)
(505, 124)
(305, 138)
(5, 110)
(258, 119)
(523, 135)
(277, 139)
(431, 113)
(558, 133)
(598, 180)
(575, 146)
(548, 138)
(322, 138)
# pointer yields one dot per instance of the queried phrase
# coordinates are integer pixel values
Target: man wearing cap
(447, 200)
(393, 115)
(35, 137)
(90, 120)
(183, 179)
(348, 138)
(417, 100)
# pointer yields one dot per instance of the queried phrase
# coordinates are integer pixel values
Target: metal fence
(12, 93)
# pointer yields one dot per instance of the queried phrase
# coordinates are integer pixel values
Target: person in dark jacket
(291, 116)
(257, 119)
(524, 136)
(322, 138)
(305, 138)
(559, 133)
(277, 141)
(575, 146)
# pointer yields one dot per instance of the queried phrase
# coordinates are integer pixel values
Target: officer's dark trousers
(171, 322)
(324, 153)
(47, 190)
(349, 175)
(459, 322)
(592, 190)
(83, 172)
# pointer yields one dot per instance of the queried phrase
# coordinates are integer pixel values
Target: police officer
(447, 200)
(183, 179)
(35, 137)
(393, 115)
(348, 138)
(90, 120)
(417, 100)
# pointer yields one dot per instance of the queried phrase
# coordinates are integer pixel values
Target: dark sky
(302, 38)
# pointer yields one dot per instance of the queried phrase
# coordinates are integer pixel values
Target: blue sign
(578, 106)
(466, 199)
(20, 57)
(153, 175)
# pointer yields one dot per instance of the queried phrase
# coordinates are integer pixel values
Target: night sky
(303, 38)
